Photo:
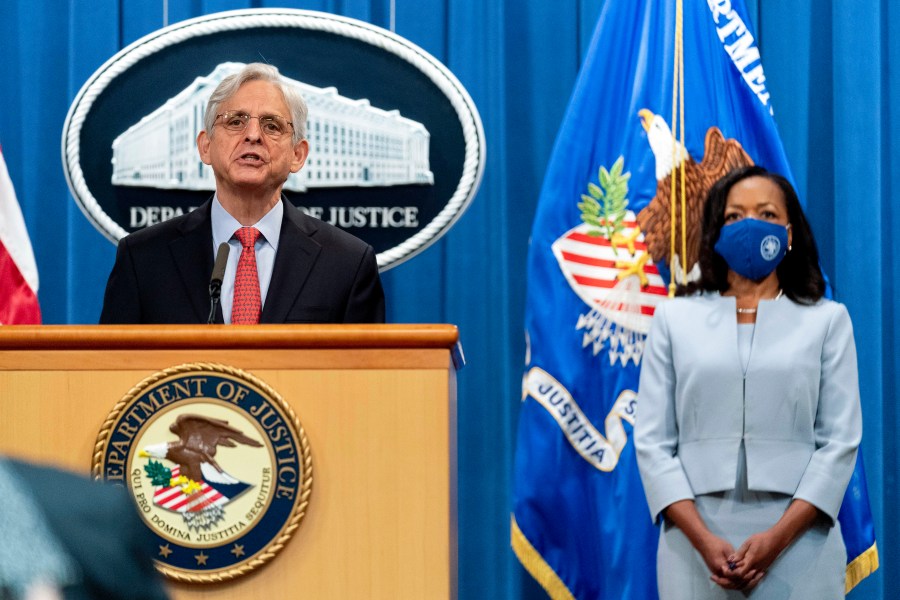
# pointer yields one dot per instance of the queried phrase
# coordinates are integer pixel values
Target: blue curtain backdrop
(834, 72)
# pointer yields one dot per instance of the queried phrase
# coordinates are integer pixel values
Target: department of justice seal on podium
(219, 467)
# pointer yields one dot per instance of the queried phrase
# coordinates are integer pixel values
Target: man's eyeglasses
(271, 125)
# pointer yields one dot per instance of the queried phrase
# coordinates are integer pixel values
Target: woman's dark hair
(799, 274)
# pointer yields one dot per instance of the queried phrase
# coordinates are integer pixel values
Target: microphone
(215, 282)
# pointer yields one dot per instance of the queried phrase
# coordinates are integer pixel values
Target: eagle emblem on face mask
(195, 486)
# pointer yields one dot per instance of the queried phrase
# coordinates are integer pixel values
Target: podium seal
(217, 463)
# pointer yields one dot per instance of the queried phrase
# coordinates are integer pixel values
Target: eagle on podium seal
(217, 463)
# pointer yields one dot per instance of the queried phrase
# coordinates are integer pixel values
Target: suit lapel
(719, 330)
(193, 257)
(297, 253)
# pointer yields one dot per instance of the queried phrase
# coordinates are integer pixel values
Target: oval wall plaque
(397, 145)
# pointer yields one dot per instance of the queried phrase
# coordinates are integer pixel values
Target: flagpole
(677, 109)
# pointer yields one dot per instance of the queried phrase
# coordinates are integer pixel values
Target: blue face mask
(753, 248)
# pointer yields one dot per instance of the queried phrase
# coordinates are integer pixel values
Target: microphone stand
(215, 291)
(215, 282)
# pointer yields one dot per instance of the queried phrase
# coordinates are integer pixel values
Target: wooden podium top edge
(167, 337)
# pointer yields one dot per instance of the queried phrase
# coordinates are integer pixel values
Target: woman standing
(749, 418)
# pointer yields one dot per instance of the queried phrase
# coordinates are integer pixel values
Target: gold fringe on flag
(536, 566)
(861, 567)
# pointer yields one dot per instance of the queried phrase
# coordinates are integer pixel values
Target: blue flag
(602, 252)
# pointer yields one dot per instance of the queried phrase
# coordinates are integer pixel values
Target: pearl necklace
(752, 311)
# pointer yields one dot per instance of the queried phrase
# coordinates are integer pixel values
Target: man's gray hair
(257, 72)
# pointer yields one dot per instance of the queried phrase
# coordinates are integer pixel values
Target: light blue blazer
(797, 410)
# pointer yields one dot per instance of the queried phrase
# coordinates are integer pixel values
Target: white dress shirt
(223, 228)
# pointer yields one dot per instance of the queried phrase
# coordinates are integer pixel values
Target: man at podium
(273, 264)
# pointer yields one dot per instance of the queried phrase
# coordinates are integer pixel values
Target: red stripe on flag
(18, 304)
(602, 283)
(18, 297)
(204, 497)
(599, 262)
(166, 494)
(626, 224)
(644, 309)
(201, 501)
(600, 240)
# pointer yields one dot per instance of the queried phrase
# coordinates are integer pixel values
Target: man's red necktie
(247, 305)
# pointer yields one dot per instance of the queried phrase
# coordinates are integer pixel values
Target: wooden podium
(377, 402)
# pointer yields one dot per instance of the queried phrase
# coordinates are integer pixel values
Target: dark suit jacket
(101, 532)
(321, 274)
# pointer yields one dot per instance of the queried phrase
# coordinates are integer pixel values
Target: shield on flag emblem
(617, 279)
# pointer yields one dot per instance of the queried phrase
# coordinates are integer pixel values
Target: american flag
(18, 270)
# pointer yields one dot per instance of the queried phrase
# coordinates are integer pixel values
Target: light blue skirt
(812, 568)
